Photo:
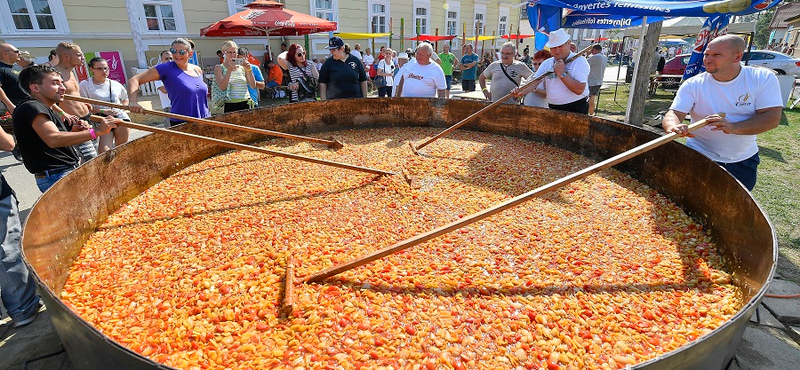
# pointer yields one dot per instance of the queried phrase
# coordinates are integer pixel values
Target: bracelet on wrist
(61, 113)
(92, 134)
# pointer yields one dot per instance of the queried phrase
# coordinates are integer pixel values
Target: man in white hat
(567, 87)
(402, 59)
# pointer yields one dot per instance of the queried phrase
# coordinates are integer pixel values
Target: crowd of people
(55, 135)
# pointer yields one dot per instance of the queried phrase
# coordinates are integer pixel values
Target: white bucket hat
(557, 38)
(402, 56)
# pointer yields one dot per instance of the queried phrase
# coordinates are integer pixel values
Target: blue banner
(663, 8)
(713, 27)
(604, 21)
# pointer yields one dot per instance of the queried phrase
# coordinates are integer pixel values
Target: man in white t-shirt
(166, 56)
(357, 52)
(567, 88)
(749, 98)
(423, 79)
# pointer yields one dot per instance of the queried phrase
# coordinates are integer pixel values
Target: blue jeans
(272, 84)
(17, 288)
(51, 178)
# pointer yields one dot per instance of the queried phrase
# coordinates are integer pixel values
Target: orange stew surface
(602, 273)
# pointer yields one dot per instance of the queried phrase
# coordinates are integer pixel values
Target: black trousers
(579, 106)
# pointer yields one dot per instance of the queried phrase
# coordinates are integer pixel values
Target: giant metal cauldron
(63, 218)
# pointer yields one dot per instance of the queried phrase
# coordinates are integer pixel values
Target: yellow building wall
(94, 16)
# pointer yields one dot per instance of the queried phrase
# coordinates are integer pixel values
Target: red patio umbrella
(516, 37)
(267, 18)
(596, 39)
(431, 38)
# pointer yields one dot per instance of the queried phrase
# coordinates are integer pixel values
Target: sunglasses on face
(179, 52)
(300, 54)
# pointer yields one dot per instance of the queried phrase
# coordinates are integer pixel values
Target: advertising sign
(116, 66)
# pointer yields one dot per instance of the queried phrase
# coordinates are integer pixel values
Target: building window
(479, 23)
(502, 25)
(239, 5)
(452, 23)
(421, 21)
(325, 9)
(32, 15)
(159, 16)
(378, 17)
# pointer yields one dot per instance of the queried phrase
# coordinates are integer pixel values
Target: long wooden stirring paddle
(490, 106)
(230, 144)
(421, 238)
(336, 144)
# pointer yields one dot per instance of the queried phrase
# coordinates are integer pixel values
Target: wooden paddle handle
(239, 146)
(421, 238)
(287, 305)
(497, 102)
(331, 143)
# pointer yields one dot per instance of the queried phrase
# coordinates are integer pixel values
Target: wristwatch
(563, 75)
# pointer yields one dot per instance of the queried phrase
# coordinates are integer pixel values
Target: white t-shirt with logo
(422, 81)
(702, 95)
(557, 92)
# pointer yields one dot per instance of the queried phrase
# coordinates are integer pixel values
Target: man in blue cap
(342, 75)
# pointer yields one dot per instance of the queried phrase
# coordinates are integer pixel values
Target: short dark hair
(95, 60)
(219, 52)
(597, 47)
(34, 74)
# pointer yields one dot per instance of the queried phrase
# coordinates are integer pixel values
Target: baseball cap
(335, 42)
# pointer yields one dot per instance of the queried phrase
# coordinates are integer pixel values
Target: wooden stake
(330, 143)
(490, 106)
(421, 238)
(251, 148)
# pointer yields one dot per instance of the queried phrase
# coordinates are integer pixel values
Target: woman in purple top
(184, 82)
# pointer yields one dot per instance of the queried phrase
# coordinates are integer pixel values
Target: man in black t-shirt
(11, 93)
(43, 138)
(342, 75)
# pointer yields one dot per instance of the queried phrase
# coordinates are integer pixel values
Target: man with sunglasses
(11, 93)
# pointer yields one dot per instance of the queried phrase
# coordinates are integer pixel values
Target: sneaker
(30, 319)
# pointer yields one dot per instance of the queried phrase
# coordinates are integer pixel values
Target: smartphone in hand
(238, 61)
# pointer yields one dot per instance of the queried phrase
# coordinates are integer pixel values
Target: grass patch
(778, 174)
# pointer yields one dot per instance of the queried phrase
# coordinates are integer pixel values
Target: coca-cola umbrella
(267, 18)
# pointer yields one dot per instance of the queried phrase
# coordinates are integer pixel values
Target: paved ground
(771, 341)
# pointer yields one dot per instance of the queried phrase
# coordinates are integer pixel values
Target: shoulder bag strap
(506, 73)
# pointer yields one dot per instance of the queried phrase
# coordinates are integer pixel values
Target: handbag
(308, 86)
(380, 81)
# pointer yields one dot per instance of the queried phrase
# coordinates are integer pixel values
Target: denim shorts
(744, 171)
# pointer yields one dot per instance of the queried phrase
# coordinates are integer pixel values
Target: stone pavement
(770, 342)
